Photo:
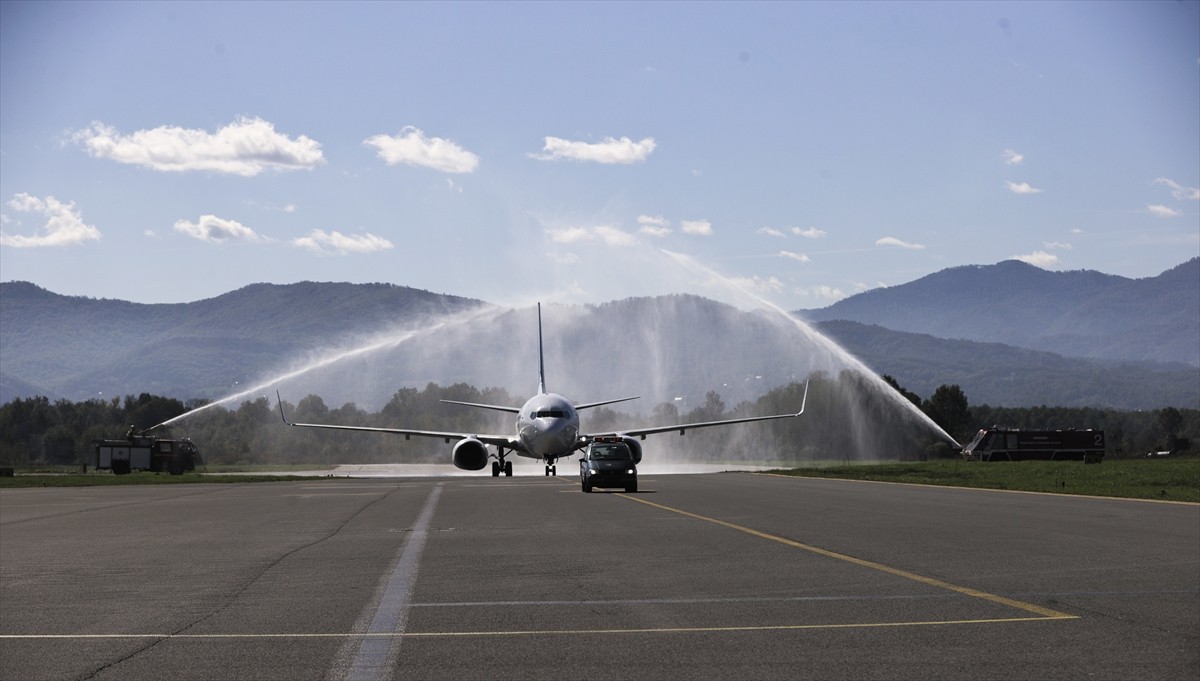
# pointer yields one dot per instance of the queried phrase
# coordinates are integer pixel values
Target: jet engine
(635, 448)
(470, 454)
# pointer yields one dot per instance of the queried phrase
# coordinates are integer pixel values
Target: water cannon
(154, 427)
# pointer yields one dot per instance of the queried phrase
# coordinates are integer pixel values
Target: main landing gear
(501, 465)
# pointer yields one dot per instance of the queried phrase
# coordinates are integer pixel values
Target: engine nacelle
(635, 448)
(470, 454)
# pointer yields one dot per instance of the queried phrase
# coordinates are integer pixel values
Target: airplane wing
(684, 427)
(495, 407)
(589, 405)
(505, 441)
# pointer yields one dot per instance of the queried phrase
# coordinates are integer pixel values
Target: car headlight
(630, 471)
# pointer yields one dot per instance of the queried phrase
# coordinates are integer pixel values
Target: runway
(714, 576)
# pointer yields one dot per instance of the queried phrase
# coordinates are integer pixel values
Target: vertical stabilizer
(541, 357)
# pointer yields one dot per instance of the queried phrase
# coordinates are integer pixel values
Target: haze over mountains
(1009, 334)
(1075, 314)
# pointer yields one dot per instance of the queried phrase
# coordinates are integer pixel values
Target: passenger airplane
(547, 428)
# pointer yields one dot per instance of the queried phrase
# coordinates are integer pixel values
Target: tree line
(848, 417)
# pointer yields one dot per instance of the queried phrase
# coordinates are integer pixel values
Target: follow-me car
(608, 462)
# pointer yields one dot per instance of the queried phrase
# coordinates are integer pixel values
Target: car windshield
(615, 452)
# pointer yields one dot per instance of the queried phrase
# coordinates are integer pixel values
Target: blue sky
(511, 152)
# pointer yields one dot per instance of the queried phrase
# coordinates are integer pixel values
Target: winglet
(281, 415)
(803, 400)
(541, 357)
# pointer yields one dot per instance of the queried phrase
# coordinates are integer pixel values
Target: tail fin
(541, 357)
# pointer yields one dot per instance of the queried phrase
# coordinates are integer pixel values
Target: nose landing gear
(501, 465)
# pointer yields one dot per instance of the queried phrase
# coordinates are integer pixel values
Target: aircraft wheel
(508, 469)
(554, 471)
(586, 487)
(495, 469)
(631, 488)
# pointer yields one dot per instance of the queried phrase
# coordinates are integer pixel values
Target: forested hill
(75, 347)
(997, 374)
(1076, 314)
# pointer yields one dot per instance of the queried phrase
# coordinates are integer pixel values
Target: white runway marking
(371, 655)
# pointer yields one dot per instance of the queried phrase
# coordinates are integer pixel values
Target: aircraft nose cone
(556, 439)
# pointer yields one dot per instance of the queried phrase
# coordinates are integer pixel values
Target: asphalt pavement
(716, 576)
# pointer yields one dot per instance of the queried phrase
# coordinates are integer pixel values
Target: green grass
(1163, 479)
(263, 467)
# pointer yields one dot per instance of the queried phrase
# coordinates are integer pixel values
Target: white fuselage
(548, 427)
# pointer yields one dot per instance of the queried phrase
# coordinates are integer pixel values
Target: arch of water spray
(333, 357)
(822, 353)
(839, 354)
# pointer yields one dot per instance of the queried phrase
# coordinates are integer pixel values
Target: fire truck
(144, 453)
(1014, 444)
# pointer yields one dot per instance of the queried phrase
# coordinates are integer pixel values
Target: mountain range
(1009, 334)
(1074, 314)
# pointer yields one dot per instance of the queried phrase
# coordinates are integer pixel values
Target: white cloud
(609, 150)
(64, 224)
(413, 148)
(1058, 245)
(696, 227)
(810, 233)
(1040, 259)
(771, 232)
(654, 225)
(1022, 188)
(758, 284)
(246, 147)
(1076, 230)
(287, 208)
(611, 236)
(569, 235)
(795, 256)
(1179, 191)
(1012, 158)
(1162, 211)
(822, 292)
(893, 241)
(217, 230)
(322, 242)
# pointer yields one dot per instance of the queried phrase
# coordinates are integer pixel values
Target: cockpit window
(550, 414)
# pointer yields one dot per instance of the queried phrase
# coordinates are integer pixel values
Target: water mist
(825, 344)
(330, 358)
